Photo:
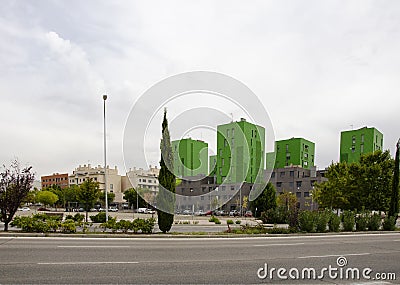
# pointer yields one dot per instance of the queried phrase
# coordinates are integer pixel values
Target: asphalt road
(193, 260)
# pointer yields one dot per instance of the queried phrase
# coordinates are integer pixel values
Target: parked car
(102, 210)
(142, 210)
(187, 212)
(150, 211)
(234, 213)
(113, 209)
(199, 213)
(24, 209)
(220, 213)
(208, 213)
(248, 214)
(43, 209)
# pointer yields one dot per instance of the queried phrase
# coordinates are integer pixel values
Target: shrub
(110, 224)
(137, 225)
(212, 219)
(229, 222)
(148, 226)
(68, 226)
(99, 218)
(276, 230)
(78, 218)
(307, 221)
(321, 221)
(334, 223)
(275, 216)
(238, 222)
(217, 222)
(374, 222)
(361, 222)
(348, 221)
(389, 223)
(124, 225)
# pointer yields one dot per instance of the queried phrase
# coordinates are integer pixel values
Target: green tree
(88, 194)
(394, 199)
(70, 194)
(56, 189)
(15, 184)
(166, 179)
(265, 201)
(130, 196)
(287, 200)
(332, 194)
(365, 184)
(46, 197)
(110, 197)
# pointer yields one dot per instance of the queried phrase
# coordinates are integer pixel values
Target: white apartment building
(86, 172)
(144, 179)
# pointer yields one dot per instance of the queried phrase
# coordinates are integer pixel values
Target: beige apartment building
(86, 172)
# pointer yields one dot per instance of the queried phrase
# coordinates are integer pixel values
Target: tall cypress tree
(166, 179)
(394, 201)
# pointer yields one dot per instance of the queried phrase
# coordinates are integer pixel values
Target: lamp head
(104, 97)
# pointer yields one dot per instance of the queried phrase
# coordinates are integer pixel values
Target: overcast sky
(319, 67)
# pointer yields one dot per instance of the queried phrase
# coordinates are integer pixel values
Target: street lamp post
(105, 155)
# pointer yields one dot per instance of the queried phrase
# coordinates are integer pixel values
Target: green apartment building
(354, 143)
(292, 152)
(190, 157)
(240, 152)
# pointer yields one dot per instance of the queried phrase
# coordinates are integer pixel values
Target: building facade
(87, 172)
(58, 179)
(292, 152)
(204, 193)
(355, 143)
(190, 157)
(299, 181)
(240, 152)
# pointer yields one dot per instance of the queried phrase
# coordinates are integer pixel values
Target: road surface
(193, 260)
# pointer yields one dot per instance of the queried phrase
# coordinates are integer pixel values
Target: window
(298, 184)
(202, 198)
(282, 174)
(362, 148)
(362, 138)
(140, 180)
(232, 188)
(287, 148)
(291, 173)
(298, 194)
(278, 184)
(233, 132)
(353, 149)
(225, 143)
(273, 174)
(223, 188)
(291, 184)
(232, 142)
(222, 161)
(353, 139)
(144, 180)
(305, 163)
(227, 133)
(203, 189)
(306, 194)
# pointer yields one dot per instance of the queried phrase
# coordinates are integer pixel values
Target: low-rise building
(86, 172)
(55, 179)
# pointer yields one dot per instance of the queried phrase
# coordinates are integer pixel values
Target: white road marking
(334, 255)
(93, 246)
(87, 262)
(278, 244)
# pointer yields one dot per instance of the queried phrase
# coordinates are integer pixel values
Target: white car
(113, 209)
(24, 209)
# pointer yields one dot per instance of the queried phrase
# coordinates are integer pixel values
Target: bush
(374, 222)
(212, 219)
(137, 225)
(39, 223)
(124, 225)
(276, 230)
(110, 224)
(348, 221)
(307, 221)
(229, 222)
(99, 218)
(68, 226)
(275, 216)
(361, 222)
(238, 222)
(334, 223)
(217, 222)
(389, 223)
(321, 221)
(148, 226)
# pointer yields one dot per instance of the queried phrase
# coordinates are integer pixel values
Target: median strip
(334, 255)
(87, 262)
